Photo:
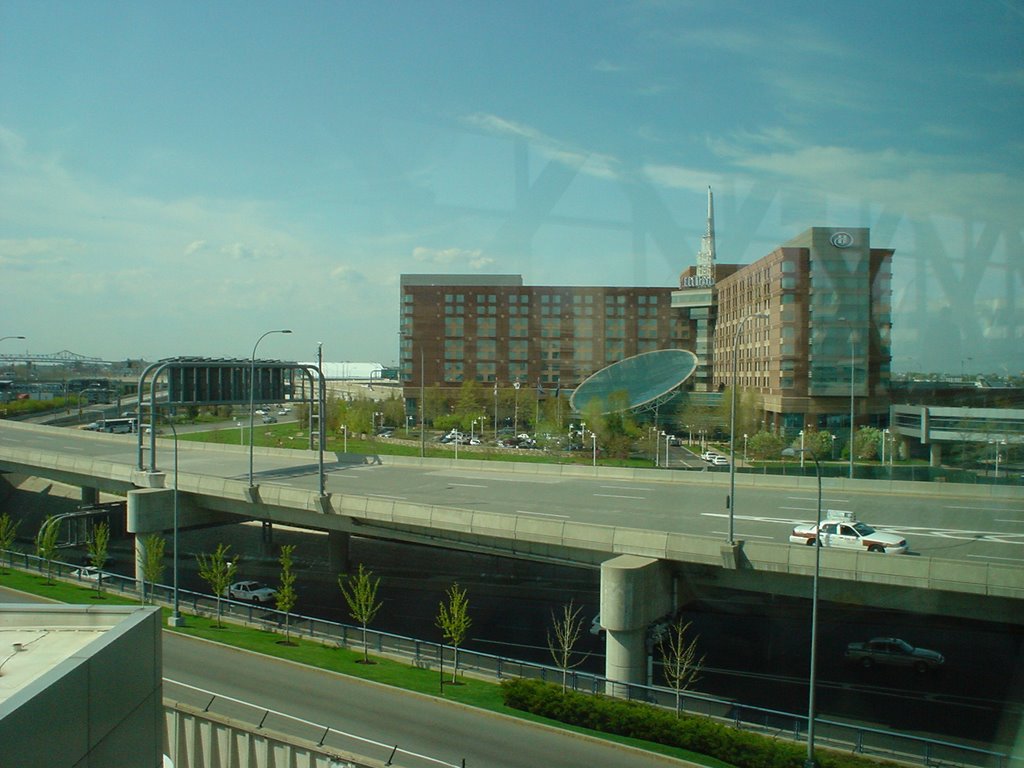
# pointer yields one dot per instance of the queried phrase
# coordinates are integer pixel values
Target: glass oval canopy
(636, 381)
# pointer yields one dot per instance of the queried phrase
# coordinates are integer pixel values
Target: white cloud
(474, 258)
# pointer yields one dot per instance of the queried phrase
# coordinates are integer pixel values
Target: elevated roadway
(657, 535)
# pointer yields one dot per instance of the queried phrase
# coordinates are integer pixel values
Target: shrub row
(642, 721)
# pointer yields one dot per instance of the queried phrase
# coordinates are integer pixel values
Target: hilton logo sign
(698, 282)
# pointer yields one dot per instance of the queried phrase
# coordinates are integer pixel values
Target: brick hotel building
(826, 294)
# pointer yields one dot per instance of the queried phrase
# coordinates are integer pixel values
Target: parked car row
(715, 459)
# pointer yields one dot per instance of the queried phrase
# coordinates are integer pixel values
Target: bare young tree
(286, 595)
(8, 533)
(46, 545)
(562, 638)
(454, 622)
(98, 551)
(218, 571)
(679, 659)
(360, 592)
(154, 546)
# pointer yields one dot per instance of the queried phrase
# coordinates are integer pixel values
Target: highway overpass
(656, 535)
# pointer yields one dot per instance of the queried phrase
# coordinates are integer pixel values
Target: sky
(177, 178)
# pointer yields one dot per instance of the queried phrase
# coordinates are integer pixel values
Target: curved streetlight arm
(252, 394)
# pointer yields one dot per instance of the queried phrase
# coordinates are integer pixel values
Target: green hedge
(642, 721)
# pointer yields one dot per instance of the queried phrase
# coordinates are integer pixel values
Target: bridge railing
(849, 737)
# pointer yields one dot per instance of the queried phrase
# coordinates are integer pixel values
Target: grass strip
(469, 691)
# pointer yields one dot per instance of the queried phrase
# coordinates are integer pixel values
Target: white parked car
(720, 461)
(848, 533)
(708, 455)
(252, 592)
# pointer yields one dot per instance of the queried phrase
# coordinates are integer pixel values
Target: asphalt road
(968, 526)
(426, 729)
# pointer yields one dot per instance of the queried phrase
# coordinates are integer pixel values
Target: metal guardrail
(858, 739)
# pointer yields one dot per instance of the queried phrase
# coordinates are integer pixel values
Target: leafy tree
(152, 562)
(679, 659)
(454, 622)
(562, 638)
(286, 595)
(867, 443)
(46, 544)
(218, 571)
(98, 551)
(816, 442)
(765, 445)
(360, 592)
(8, 533)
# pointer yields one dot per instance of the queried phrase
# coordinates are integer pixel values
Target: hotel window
(518, 349)
(485, 371)
(647, 328)
(453, 371)
(583, 350)
(485, 349)
(518, 372)
(486, 327)
(583, 326)
(550, 327)
(614, 351)
(583, 306)
(486, 304)
(614, 306)
(454, 327)
(518, 305)
(551, 305)
(454, 349)
(518, 327)
(615, 328)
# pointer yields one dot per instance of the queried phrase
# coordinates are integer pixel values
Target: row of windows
(551, 328)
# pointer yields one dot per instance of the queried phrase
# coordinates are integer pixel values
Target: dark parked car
(893, 652)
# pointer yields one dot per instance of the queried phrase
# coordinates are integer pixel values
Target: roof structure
(646, 380)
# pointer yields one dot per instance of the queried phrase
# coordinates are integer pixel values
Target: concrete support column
(634, 592)
(90, 495)
(149, 510)
(338, 551)
(935, 455)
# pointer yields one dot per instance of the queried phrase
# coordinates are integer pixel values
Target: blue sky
(177, 178)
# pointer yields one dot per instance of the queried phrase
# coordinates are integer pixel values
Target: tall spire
(706, 257)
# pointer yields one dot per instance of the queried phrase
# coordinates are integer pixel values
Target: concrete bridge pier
(634, 592)
(151, 510)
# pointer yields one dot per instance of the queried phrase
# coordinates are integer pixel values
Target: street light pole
(252, 395)
(813, 673)
(732, 422)
(175, 619)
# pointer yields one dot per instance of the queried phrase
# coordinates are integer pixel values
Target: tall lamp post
(252, 395)
(175, 619)
(813, 675)
(5, 338)
(732, 421)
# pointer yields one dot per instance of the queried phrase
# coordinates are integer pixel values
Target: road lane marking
(618, 496)
(541, 514)
(622, 488)
(465, 485)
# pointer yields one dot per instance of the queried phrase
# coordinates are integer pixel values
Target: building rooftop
(35, 639)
